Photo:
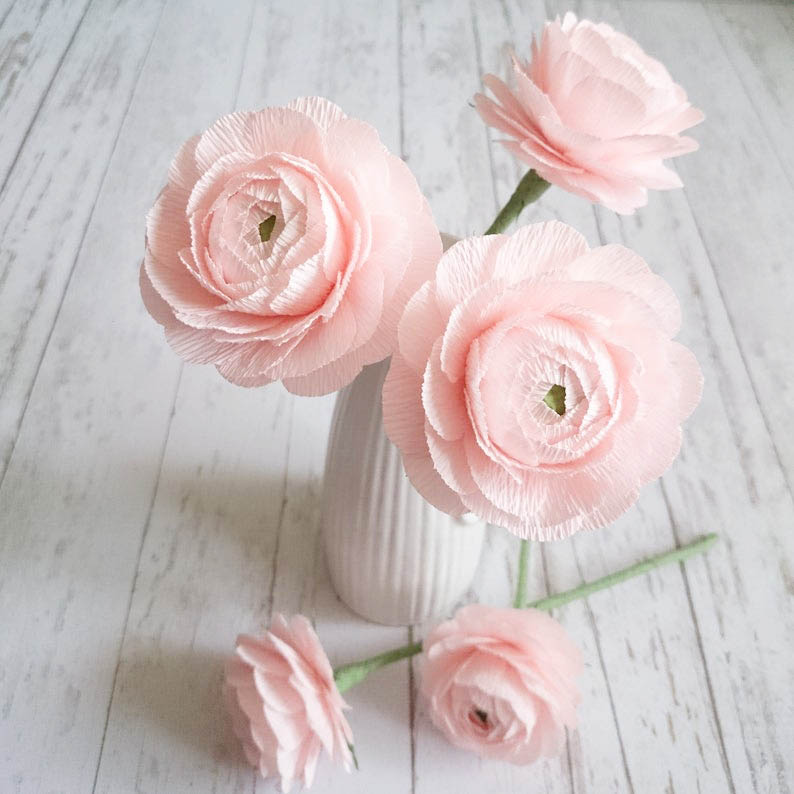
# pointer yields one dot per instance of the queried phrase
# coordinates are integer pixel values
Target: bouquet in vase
(520, 377)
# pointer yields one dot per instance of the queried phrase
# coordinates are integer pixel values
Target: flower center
(266, 228)
(555, 399)
(479, 717)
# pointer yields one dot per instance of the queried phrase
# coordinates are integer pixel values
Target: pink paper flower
(284, 703)
(501, 682)
(284, 247)
(536, 382)
(593, 114)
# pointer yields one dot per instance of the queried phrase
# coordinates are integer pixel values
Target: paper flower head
(536, 382)
(593, 114)
(284, 703)
(284, 247)
(502, 682)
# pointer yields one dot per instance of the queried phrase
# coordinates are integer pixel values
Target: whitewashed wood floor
(149, 511)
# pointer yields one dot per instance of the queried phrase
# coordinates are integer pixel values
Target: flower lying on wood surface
(284, 247)
(502, 682)
(498, 682)
(284, 703)
(593, 114)
(536, 382)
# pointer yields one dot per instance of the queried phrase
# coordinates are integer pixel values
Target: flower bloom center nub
(479, 718)
(266, 228)
(555, 399)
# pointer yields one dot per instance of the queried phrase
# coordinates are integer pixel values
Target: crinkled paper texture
(593, 114)
(284, 704)
(502, 682)
(352, 239)
(504, 320)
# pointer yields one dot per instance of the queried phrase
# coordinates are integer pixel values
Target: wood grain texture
(746, 190)
(48, 197)
(36, 38)
(150, 512)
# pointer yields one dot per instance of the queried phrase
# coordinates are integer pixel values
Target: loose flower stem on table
(349, 675)
(605, 582)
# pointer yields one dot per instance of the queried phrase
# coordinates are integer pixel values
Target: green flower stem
(521, 581)
(588, 588)
(354, 673)
(529, 189)
(349, 675)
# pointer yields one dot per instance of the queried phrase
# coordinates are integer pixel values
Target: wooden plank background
(149, 512)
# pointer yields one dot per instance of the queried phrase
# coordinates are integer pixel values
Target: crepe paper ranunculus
(284, 247)
(593, 114)
(502, 682)
(284, 704)
(536, 382)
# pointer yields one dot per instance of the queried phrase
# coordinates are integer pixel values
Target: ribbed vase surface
(393, 557)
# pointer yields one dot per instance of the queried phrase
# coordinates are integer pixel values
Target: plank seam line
(508, 21)
(569, 759)
(740, 349)
(602, 663)
(400, 81)
(699, 637)
(547, 586)
(748, 93)
(141, 544)
(412, 711)
(245, 55)
(599, 229)
(479, 63)
(8, 11)
(784, 20)
(173, 404)
(79, 251)
(281, 513)
(403, 155)
(44, 96)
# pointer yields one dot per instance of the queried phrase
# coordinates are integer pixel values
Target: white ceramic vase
(393, 558)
